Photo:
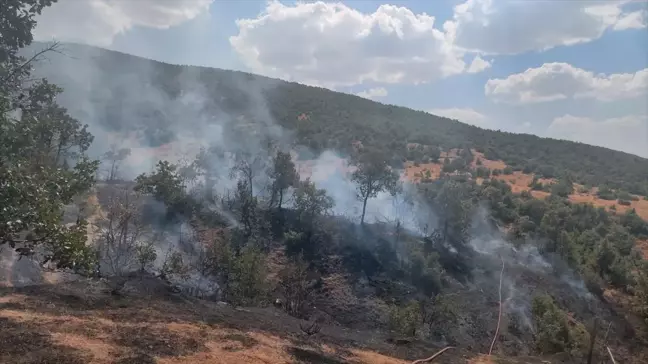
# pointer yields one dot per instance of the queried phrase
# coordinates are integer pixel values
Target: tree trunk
(364, 209)
(280, 198)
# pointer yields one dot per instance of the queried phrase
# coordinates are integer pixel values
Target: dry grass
(55, 326)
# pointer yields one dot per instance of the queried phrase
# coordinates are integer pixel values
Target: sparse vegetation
(266, 232)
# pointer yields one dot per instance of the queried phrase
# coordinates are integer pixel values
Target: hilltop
(122, 93)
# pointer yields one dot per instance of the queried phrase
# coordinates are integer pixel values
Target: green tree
(311, 202)
(553, 332)
(167, 186)
(372, 176)
(404, 320)
(43, 161)
(283, 175)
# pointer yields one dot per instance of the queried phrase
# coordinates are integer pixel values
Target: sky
(566, 69)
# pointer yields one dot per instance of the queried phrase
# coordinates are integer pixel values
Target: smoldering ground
(168, 112)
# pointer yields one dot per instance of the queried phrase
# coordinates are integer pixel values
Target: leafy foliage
(405, 319)
(43, 164)
(283, 175)
(372, 176)
(555, 334)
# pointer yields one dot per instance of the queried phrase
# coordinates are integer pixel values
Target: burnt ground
(82, 322)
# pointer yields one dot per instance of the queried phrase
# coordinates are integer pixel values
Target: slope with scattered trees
(240, 226)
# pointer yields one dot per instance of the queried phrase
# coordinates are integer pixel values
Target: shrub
(404, 320)
(554, 333)
(605, 193)
(508, 170)
(623, 202)
(246, 284)
(145, 255)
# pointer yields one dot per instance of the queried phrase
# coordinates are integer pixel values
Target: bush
(605, 193)
(246, 284)
(496, 172)
(623, 195)
(623, 202)
(406, 319)
(554, 333)
(145, 255)
(508, 170)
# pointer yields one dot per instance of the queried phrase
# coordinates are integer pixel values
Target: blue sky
(574, 70)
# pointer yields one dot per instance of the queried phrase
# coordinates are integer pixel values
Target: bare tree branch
(51, 48)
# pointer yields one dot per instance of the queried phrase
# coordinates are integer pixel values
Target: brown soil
(415, 173)
(69, 324)
(642, 244)
(520, 182)
(77, 323)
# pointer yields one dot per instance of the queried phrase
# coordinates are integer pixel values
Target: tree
(283, 175)
(43, 161)
(247, 166)
(166, 185)
(121, 232)
(373, 176)
(295, 286)
(146, 255)
(311, 202)
(113, 158)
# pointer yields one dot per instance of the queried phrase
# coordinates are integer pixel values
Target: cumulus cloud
(97, 22)
(479, 64)
(332, 44)
(628, 133)
(465, 115)
(373, 93)
(511, 27)
(558, 81)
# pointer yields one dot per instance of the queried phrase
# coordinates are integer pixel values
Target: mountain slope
(118, 92)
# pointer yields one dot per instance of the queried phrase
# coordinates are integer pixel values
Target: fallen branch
(433, 356)
(499, 317)
(611, 356)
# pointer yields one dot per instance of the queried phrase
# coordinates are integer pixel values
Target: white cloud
(97, 22)
(332, 44)
(634, 20)
(628, 133)
(467, 115)
(479, 64)
(373, 93)
(511, 27)
(558, 81)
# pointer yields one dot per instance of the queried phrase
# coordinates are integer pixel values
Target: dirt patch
(642, 245)
(416, 173)
(241, 341)
(98, 350)
(157, 341)
(310, 356)
(490, 164)
(360, 356)
(29, 344)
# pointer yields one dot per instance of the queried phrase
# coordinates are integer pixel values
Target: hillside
(236, 218)
(118, 92)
